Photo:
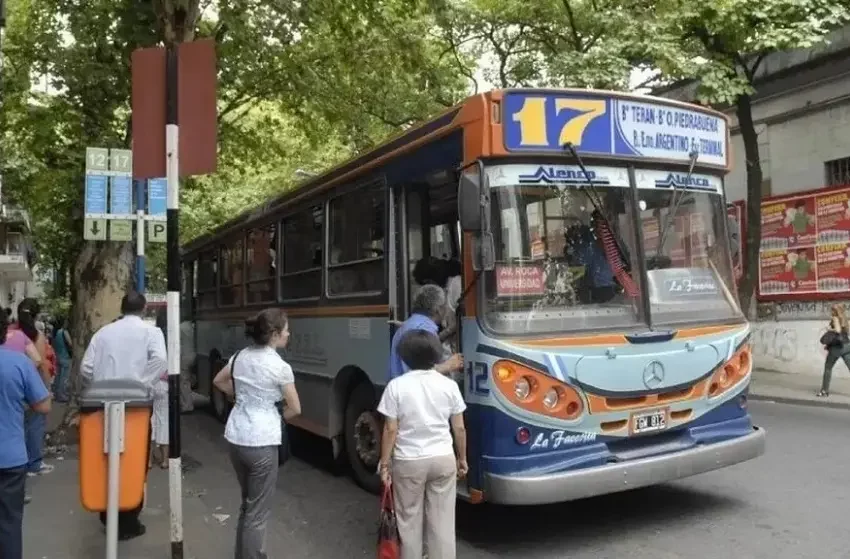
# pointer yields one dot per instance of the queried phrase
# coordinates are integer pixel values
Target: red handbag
(389, 542)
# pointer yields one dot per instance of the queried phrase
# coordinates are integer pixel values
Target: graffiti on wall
(774, 341)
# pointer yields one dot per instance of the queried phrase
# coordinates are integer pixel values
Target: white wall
(789, 346)
(798, 132)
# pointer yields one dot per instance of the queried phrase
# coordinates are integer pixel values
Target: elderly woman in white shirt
(416, 448)
(259, 377)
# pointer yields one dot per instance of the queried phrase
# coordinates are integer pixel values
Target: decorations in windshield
(612, 125)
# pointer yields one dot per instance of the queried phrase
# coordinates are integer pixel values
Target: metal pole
(172, 230)
(114, 412)
(140, 235)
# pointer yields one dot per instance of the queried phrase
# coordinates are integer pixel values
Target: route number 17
(534, 128)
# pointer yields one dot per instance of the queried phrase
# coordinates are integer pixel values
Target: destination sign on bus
(613, 126)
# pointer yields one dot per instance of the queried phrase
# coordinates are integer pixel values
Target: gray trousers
(833, 354)
(425, 493)
(256, 470)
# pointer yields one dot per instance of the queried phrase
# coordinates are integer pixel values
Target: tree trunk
(754, 186)
(101, 276)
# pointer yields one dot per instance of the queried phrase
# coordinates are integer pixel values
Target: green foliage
(558, 43)
(723, 42)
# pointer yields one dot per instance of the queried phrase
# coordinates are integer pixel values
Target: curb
(819, 403)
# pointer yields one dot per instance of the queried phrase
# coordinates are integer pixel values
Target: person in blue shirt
(20, 386)
(429, 307)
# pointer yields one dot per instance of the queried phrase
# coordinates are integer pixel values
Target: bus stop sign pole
(113, 436)
(172, 230)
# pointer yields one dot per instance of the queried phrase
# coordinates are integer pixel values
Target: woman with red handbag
(416, 449)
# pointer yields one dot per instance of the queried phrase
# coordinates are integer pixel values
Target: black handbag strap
(233, 373)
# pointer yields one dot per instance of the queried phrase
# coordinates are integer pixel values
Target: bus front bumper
(623, 476)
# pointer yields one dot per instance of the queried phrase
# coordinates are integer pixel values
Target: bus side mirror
(470, 202)
(484, 252)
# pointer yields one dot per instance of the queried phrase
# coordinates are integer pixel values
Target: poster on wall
(805, 246)
(833, 217)
(788, 224)
(784, 271)
(833, 263)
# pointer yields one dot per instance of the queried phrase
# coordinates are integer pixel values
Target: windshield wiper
(596, 200)
(673, 209)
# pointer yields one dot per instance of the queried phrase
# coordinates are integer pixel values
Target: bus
(603, 342)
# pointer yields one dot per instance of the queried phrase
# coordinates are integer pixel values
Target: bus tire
(363, 437)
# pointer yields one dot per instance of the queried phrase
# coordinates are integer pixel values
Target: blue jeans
(60, 388)
(12, 512)
(34, 426)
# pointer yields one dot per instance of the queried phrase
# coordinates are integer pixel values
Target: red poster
(833, 267)
(735, 221)
(787, 271)
(833, 212)
(788, 224)
(519, 280)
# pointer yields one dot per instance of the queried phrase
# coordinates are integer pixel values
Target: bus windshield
(566, 254)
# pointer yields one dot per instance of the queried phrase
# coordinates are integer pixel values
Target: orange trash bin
(138, 406)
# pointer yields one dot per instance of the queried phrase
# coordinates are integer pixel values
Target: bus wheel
(363, 438)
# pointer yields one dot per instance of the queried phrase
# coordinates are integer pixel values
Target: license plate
(648, 422)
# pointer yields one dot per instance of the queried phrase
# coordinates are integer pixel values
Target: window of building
(261, 254)
(232, 275)
(838, 172)
(356, 263)
(207, 280)
(301, 246)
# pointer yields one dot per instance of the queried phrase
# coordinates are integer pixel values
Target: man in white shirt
(128, 348)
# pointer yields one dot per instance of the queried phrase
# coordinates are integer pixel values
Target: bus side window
(357, 242)
(301, 258)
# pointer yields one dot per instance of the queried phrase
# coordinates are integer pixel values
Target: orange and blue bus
(603, 341)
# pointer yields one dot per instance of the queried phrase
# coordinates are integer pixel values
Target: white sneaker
(45, 469)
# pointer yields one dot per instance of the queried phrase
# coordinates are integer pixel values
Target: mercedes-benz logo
(653, 374)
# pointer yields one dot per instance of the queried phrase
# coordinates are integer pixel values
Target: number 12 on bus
(621, 358)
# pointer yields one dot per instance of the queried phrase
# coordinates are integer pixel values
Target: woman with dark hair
(63, 347)
(422, 410)
(36, 423)
(258, 378)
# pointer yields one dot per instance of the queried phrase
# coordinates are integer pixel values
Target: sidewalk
(800, 389)
(56, 527)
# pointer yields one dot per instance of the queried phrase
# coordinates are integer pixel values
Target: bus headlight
(522, 388)
(536, 391)
(550, 399)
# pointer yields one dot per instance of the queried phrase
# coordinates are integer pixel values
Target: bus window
(232, 275)
(188, 287)
(261, 254)
(207, 280)
(301, 243)
(356, 263)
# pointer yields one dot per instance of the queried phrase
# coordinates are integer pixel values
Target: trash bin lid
(132, 392)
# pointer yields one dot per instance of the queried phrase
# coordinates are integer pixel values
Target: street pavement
(791, 503)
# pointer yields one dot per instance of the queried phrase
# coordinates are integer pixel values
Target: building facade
(801, 109)
(16, 257)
